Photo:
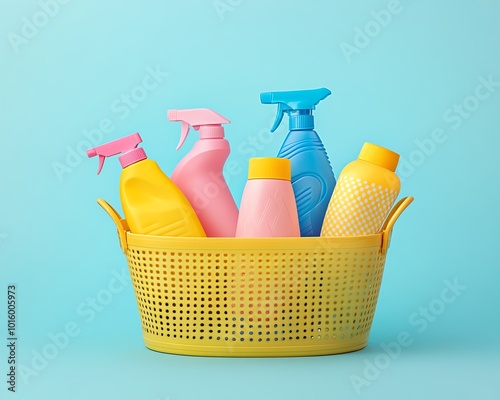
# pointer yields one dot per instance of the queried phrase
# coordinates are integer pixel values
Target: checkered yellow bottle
(364, 194)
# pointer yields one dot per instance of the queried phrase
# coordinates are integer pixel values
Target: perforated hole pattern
(284, 296)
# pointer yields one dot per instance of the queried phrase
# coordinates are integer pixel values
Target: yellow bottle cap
(270, 168)
(380, 156)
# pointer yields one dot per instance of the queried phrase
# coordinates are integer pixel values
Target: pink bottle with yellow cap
(151, 202)
(199, 174)
(268, 207)
(364, 194)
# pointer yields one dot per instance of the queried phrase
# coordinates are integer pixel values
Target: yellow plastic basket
(256, 297)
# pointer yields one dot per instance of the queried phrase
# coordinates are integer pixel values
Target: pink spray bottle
(199, 174)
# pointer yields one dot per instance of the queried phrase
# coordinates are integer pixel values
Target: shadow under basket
(272, 297)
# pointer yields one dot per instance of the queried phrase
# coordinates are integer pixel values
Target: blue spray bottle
(313, 179)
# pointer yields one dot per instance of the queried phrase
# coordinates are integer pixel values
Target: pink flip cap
(132, 156)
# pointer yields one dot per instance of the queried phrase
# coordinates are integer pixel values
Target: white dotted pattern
(357, 207)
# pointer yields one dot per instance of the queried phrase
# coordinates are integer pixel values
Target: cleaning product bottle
(313, 179)
(199, 174)
(268, 206)
(151, 202)
(364, 195)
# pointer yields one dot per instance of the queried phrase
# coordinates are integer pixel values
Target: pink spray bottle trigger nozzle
(184, 133)
(197, 118)
(91, 152)
(126, 144)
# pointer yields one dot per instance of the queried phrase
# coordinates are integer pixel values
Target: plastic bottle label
(358, 207)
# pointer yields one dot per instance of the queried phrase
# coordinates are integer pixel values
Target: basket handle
(391, 219)
(121, 224)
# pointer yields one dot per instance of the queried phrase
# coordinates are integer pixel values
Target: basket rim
(261, 244)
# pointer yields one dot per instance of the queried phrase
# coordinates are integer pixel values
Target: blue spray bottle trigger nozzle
(282, 108)
(302, 101)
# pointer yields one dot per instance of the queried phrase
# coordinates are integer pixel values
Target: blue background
(411, 78)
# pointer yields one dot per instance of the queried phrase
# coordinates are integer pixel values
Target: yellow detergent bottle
(364, 194)
(151, 202)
